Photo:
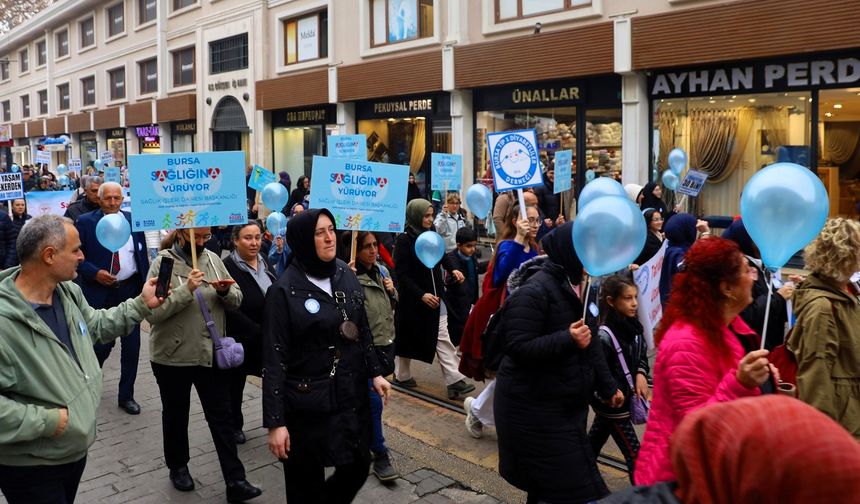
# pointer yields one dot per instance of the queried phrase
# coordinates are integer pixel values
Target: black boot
(241, 491)
(181, 479)
(382, 468)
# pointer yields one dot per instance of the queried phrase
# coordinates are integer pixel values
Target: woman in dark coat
(681, 232)
(251, 272)
(549, 372)
(19, 218)
(753, 314)
(422, 320)
(298, 195)
(317, 359)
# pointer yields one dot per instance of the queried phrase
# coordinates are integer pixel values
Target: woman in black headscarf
(317, 358)
(654, 224)
(302, 190)
(550, 370)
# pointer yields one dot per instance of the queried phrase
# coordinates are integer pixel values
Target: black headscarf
(651, 201)
(558, 245)
(737, 232)
(300, 239)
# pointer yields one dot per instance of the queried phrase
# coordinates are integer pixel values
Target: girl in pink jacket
(700, 358)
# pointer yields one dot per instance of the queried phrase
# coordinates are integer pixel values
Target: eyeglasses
(199, 237)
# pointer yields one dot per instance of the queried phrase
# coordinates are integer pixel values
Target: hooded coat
(417, 324)
(826, 343)
(681, 234)
(545, 382)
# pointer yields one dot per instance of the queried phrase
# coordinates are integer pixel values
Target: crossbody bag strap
(620, 355)
(210, 324)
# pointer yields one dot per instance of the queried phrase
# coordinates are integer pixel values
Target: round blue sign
(516, 159)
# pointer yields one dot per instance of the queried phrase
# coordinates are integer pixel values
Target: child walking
(618, 318)
(461, 281)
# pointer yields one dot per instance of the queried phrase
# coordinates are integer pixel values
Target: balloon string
(433, 281)
(585, 299)
(766, 307)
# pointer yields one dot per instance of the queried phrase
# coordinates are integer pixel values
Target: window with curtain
(87, 30)
(394, 21)
(508, 10)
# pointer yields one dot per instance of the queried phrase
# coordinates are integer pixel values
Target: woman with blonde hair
(826, 338)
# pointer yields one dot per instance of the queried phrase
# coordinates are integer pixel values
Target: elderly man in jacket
(50, 381)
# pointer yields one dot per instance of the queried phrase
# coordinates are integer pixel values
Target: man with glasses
(109, 278)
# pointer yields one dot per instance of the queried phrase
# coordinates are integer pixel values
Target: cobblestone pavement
(126, 463)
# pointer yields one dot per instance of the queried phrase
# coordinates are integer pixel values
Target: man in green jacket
(50, 380)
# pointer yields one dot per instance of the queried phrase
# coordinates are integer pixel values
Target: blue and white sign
(42, 157)
(11, 186)
(260, 178)
(48, 202)
(446, 172)
(184, 190)
(347, 146)
(515, 159)
(113, 174)
(693, 183)
(361, 195)
(106, 157)
(75, 165)
(563, 171)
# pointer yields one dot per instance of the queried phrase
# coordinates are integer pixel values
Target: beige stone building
(738, 84)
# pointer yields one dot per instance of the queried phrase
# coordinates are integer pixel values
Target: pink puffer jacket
(687, 377)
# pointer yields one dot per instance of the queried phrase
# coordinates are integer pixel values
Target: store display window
(839, 152)
(182, 136)
(730, 137)
(150, 139)
(295, 148)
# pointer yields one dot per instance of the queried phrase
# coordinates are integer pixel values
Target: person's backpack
(493, 340)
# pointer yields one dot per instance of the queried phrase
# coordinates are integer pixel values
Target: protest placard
(446, 172)
(693, 183)
(647, 279)
(361, 195)
(515, 160)
(348, 146)
(563, 171)
(48, 202)
(105, 157)
(260, 178)
(11, 186)
(42, 157)
(184, 190)
(113, 174)
(75, 165)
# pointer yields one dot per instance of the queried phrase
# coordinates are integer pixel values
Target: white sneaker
(473, 425)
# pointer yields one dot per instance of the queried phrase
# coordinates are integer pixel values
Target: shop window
(7, 111)
(394, 21)
(730, 138)
(183, 67)
(145, 11)
(43, 101)
(88, 32)
(181, 4)
(41, 53)
(839, 152)
(116, 79)
(62, 43)
(24, 60)
(555, 128)
(4, 69)
(25, 106)
(508, 10)
(228, 54)
(397, 141)
(603, 142)
(295, 148)
(148, 71)
(88, 91)
(306, 38)
(63, 98)
(115, 20)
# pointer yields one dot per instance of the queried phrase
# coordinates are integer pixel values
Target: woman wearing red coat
(701, 358)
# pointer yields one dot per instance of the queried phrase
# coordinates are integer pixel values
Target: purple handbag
(228, 353)
(639, 406)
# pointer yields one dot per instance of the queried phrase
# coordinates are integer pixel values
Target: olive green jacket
(826, 342)
(38, 375)
(379, 307)
(179, 336)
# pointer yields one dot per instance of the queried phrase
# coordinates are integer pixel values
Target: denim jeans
(377, 443)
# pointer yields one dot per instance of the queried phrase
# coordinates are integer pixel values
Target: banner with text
(184, 190)
(260, 178)
(347, 147)
(361, 195)
(106, 157)
(113, 174)
(563, 171)
(42, 157)
(11, 186)
(75, 165)
(693, 183)
(515, 159)
(446, 172)
(647, 279)
(48, 202)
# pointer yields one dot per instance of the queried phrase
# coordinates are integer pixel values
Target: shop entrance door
(226, 140)
(229, 125)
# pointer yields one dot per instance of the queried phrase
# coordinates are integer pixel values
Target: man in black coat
(90, 201)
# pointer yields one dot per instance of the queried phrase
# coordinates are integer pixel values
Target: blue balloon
(62, 169)
(670, 180)
(430, 247)
(15, 168)
(589, 176)
(479, 200)
(677, 160)
(276, 223)
(602, 186)
(784, 207)
(275, 196)
(113, 231)
(63, 180)
(608, 234)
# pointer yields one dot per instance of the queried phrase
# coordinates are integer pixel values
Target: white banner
(647, 279)
(42, 157)
(48, 202)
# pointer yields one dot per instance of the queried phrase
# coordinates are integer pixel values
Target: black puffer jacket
(301, 340)
(543, 389)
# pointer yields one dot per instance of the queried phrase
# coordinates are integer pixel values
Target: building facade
(619, 82)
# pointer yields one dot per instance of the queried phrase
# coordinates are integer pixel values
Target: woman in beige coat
(826, 339)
